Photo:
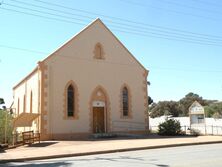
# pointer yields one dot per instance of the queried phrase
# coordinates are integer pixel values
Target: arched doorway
(99, 111)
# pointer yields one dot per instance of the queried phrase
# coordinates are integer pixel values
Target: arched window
(18, 107)
(98, 51)
(31, 102)
(125, 101)
(24, 104)
(70, 101)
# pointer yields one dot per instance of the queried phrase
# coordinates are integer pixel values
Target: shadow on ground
(130, 137)
(53, 164)
(44, 144)
(2, 151)
(124, 160)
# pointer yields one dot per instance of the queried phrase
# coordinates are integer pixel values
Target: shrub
(195, 132)
(5, 126)
(170, 127)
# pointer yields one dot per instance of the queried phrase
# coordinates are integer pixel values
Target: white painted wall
(30, 84)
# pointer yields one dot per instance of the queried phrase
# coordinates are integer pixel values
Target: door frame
(99, 94)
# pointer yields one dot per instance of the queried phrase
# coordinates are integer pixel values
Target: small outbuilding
(197, 114)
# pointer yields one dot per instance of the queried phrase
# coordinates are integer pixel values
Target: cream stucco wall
(24, 89)
(74, 61)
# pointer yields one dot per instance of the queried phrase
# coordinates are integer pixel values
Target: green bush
(170, 127)
(195, 132)
(5, 126)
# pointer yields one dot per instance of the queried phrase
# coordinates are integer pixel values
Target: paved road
(187, 156)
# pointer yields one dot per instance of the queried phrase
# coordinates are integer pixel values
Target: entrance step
(130, 135)
(103, 135)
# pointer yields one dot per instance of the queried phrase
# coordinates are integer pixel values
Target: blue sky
(180, 42)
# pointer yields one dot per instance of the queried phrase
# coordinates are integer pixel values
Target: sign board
(196, 108)
(98, 104)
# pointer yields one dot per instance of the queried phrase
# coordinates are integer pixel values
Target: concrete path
(56, 149)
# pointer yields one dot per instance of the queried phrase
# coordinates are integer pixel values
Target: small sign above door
(98, 104)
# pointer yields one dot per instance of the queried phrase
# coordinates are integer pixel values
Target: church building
(91, 84)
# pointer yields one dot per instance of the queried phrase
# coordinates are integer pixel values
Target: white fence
(201, 129)
(211, 127)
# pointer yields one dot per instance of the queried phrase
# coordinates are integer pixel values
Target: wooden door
(98, 120)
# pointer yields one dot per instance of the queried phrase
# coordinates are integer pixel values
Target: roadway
(186, 156)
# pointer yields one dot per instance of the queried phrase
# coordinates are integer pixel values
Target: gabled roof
(87, 27)
(26, 78)
(196, 104)
(73, 38)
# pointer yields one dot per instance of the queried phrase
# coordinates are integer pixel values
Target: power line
(53, 9)
(22, 49)
(110, 62)
(78, 10)
(52, 14)
(129, 32)
(165, 33)
(181, 37)
(125, 20)
(185, 69)
(168, 38)
(190, 7)
(64, 56)
(152, 31)
(170, 10)
(208, 3)
(122, 24)
(45, 17)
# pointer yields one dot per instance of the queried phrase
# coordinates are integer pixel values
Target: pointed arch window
(31, 102)
(24, 103)
(18, 107)
(70, 101)
(125, 100)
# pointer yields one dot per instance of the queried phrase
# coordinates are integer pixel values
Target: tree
(161, 107)
(181, 107)
(188, 100)
(5, 126)
(213, 110)
(150, 100)
(217, 115)
(2, 101)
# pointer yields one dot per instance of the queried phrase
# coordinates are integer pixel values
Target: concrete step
(130, 135)
(103, 135)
